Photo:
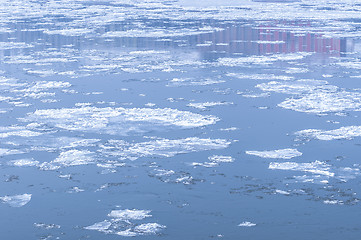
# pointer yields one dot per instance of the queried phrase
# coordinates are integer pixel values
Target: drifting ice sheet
(327, 135)
(162, 147)
(117, 120)
(316, 167)
(287, 153)
(121, 223)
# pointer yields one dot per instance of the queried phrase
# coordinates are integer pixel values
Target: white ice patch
(282, 192)
(24, 163)
(4, 152)
(161, 147)
(287, 153)
(69, 32)
(177, 82)
(117, 120)
(205, 105)
(158, 33)
(148, 228)
(214, 161)
(324, 102)
(261, 60)
(19, 133)
(246, 224)
(127, 214)
(100, 226)
(13, 45)
(333, 202)
(16, 200)
(46, 226)
(221, 159)
(68, 159)
(296, 70)
(46, 85)
(314, 96)
(297, 87)
(316, 167)
(121, 223)
(260, 76)
(348, 132)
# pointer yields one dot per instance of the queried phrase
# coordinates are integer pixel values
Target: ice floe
(286, 153)
(17, 131)
(316, 167)
(16, 200)
(24, 163)
(161, 147)
(4, 152)
(260, 76)
(348, 132)
(68, 159)
(297, 87)
(261, 60)
(282, 192)
(324, 102)
(129, 214)
(176, 82)
(117, 120)
(125, 223)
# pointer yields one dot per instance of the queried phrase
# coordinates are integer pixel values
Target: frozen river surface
(152, 119)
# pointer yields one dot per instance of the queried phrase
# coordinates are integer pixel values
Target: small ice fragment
(46, 226)
(247, 224)
(282, 192)
(75, 190)
(333, 202)
(219, 159)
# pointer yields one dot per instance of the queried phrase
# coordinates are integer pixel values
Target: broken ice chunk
(287, 153)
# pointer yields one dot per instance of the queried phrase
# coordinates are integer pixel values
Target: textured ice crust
(314, 96)
(24, 163)
(158, 33)
(214, 161)
(297, 87)
(348, 132)
(4, 152)
(261, 60)
(122, 223)
(17, 131)
(68, 159)
(316, 167)
(324, 102)
(162, 147)
(287, 153)
(205, 105)
(128, 214)
(16, 200)
(117, 120)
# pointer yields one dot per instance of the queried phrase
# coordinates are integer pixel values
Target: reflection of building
(262, 40)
